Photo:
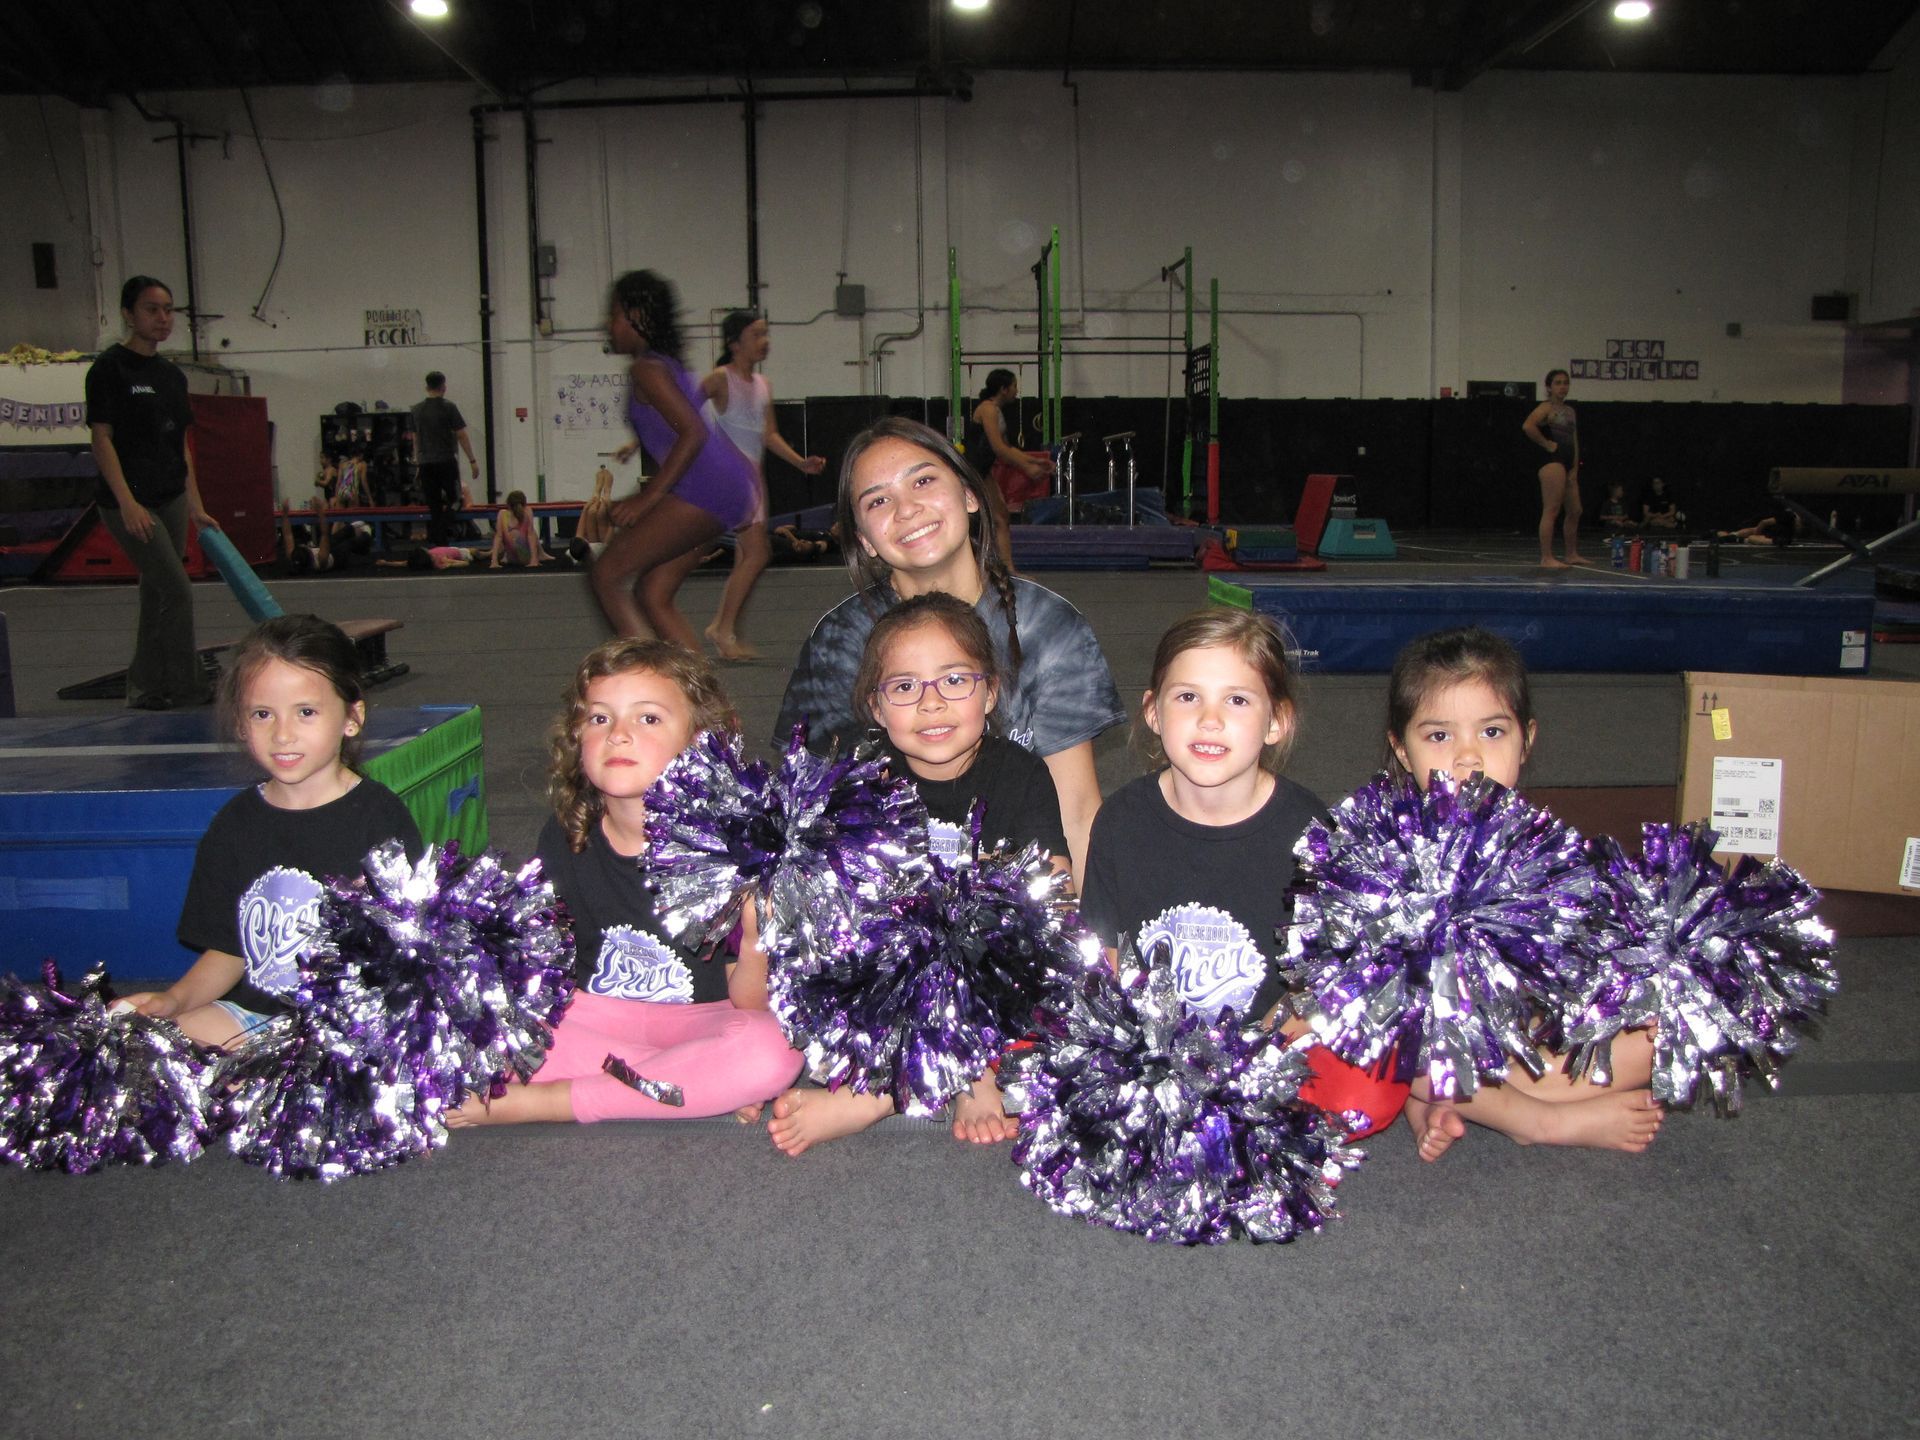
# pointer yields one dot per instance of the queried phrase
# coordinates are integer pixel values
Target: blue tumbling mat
(1357, 627)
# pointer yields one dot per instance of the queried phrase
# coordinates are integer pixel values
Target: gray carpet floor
(1751, 1277)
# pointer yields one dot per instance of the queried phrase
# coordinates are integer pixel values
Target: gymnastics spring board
(99, 820)
(1357, 627)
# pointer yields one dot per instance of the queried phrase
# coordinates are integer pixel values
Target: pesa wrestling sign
(1635, 360)
(395, 327)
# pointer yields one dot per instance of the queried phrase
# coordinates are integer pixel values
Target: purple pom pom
(81, 1088)
(816, 839)
(424, 984)
(1730, 969)
(935, 984)
(1436, 925)
(1138, 1114)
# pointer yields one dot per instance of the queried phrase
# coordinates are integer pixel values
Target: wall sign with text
(395, 327)
(1635, 360)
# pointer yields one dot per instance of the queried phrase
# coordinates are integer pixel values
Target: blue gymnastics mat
(1357, 627)
(99, 819)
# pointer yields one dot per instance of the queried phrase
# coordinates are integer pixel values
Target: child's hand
(161, 1004)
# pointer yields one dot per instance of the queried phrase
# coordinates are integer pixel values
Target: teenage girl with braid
(920, 522)
(702, 486)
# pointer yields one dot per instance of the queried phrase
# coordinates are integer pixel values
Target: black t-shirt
(144, 399)
(1217, 892)
(436, 420)
(620, 948)
(256, 884)
(1022, 806)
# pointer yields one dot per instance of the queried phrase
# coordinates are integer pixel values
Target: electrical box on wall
(546, 262)
(1837, 306)
(46, 275)
(849, 301)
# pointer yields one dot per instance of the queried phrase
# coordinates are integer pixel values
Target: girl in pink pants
(696, 1022)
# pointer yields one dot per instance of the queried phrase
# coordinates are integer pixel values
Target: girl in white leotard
(740, 406)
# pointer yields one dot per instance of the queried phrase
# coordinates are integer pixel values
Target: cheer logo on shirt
(278, 913)
(636, 965)
(949, 843)
(1215, 962)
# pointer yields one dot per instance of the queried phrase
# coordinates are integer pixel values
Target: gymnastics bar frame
(1787, 481)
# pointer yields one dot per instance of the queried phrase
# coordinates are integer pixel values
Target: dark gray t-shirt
(1064, 693)
(436, 420)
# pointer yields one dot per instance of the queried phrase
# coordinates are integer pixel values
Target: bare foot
(1575, 559)
(1549, 563)
(978, 1115)
(804, 1118)
(1613, 1120)
(747, 1114)
(1436, 1124)
(545, 1101)
(729, 646)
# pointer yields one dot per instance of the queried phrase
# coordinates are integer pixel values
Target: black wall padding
(1429, 464)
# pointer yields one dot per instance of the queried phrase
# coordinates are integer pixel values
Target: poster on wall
(394, 327)
(587, 402)
(1634, 360)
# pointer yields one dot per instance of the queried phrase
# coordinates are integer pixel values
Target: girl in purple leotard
(702, 488)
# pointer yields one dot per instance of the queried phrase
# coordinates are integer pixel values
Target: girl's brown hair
(963, 626)
(1453, 657)
(1257, 639)
(983, 531)
(303, 640)
(576, 803)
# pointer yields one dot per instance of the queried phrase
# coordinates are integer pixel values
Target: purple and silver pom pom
(934, 985)
(82, 1087)
(1138, 1114)
(1730, 970)
(424, 984)
(817, 839)
(1436, 925)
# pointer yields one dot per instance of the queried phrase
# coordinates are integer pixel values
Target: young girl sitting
(292, 697)
(694, 1022)
(914, 518)
(929, 679)
(1458, 701)
(1199, 854)
(514, 539)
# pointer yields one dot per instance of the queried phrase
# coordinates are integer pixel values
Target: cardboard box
(1823, 772)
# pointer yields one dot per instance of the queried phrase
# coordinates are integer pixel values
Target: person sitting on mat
(293, 698)
(515, 540)
(1613, 514)
(301, 554)
(1658, 510)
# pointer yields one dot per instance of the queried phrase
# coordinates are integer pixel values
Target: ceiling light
(430, 9)
(1632, 10)
(969, 4)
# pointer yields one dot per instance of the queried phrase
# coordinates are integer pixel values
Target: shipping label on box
(1746, 804)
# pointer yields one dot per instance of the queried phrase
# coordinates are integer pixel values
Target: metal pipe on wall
(486, 300)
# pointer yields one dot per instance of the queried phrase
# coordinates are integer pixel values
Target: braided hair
(869, 571)
(652, 306)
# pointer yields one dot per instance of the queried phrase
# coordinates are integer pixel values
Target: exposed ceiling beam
(1516, 36)
(432, 35)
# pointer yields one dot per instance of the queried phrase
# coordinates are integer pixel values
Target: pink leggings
(720, 1057)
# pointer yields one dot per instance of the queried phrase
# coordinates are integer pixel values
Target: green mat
(1225, 592)
(439, 776)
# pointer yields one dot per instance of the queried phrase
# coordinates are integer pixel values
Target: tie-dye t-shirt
(257, 876)
(1063, 695)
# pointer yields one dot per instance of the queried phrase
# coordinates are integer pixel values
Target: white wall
(43, 198)
(1369, 238)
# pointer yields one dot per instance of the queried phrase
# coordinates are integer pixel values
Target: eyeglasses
(906, 690)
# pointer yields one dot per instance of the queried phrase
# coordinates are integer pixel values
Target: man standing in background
(437, 425)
